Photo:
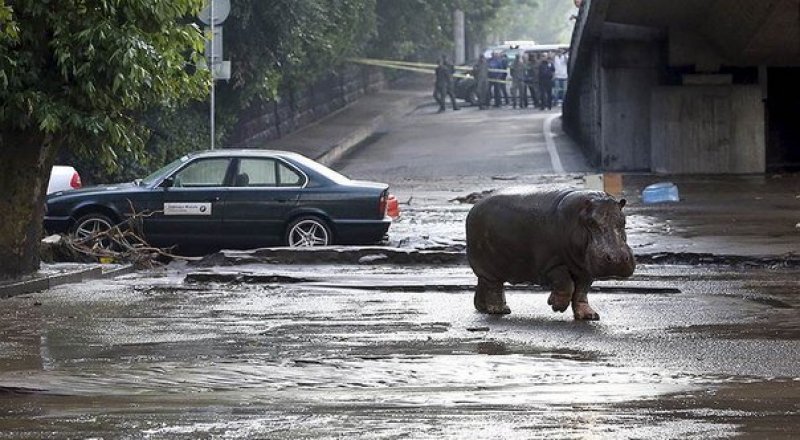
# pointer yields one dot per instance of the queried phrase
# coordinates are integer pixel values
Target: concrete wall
(707, 129)
(629, 73)
(266, 121)
(584, 122)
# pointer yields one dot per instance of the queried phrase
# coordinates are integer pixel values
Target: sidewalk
(332, 137)
(56, 274)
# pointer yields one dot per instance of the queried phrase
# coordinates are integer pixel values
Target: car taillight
(75, 182)
(392, 207)
(382, 204)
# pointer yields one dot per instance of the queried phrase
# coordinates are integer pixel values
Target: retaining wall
(294, 109)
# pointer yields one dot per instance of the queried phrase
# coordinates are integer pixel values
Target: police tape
(428, 68)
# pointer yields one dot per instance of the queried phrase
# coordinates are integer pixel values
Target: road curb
(42, 283)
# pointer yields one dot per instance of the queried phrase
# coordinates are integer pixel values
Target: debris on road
(122, 243)
(242, 278)
(367, 259)
(474, 197)
(662, 192)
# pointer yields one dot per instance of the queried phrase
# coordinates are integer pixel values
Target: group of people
(537, 79)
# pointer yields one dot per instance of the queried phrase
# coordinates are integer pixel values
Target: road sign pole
(211, 69)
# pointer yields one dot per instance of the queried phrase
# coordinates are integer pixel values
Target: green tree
(78, 75)
(273, 45)
(544, 21)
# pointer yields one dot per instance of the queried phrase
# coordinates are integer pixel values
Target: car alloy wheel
(90, 226)
(307, 232)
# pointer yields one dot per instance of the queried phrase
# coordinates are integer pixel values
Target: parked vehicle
(232, 198)
(466, 88)
(63, 178)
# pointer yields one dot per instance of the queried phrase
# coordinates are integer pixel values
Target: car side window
(202, 174)
(288, 176)
(266, 173)
(256, 172)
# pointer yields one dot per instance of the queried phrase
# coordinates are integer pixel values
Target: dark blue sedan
(232, 198)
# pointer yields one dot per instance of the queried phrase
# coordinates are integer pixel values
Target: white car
(63, 178)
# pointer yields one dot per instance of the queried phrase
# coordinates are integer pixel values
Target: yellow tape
(427, 68)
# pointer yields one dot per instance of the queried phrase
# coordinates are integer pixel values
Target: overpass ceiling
(743, 31)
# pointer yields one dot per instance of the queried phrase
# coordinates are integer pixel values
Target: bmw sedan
(231, 198)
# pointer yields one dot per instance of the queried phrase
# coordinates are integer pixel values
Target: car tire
(308, 231)
(472, 97)
(91, 224)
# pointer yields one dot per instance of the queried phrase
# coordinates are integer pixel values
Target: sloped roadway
(379, 350)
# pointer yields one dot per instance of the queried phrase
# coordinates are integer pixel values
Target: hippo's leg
(490, 297)
(580, 303)
(563, 287)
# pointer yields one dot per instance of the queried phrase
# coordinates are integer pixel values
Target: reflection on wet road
(154, 356)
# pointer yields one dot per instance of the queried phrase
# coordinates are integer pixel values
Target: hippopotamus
(562, 239)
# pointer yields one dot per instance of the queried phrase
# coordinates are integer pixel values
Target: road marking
(555, 161)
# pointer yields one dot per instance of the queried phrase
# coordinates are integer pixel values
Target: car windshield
(322, 170)
(162, 172)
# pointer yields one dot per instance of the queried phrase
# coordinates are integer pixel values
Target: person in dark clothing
(518, 89)
(546, 72)
(481, 74)
(532, 78)
(444, 84)
(495, 77)
(503, 77)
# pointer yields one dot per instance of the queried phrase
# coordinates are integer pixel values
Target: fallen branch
(123, 242)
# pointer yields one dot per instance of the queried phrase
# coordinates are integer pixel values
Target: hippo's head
(607, 252)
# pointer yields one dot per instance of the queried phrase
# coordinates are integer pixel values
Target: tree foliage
(84, 71)
(274, 42)
(272, 45)
(79, 75)
(544, 21)
(423, 29)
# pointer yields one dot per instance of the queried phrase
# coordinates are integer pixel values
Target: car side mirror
(168, 182)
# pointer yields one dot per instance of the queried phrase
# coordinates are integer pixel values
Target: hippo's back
(511, 234)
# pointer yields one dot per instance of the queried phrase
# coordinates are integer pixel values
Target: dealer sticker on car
(187, 208)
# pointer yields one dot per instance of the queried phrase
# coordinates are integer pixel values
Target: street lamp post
(214, 14)
(211, 62)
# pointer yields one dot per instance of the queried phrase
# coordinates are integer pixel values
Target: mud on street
(255, 345)
(386, 351)
(385, 342)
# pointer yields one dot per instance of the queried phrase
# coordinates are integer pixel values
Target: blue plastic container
(660, 193)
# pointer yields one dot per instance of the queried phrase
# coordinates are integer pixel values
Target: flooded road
(328, 351)
(246, 347)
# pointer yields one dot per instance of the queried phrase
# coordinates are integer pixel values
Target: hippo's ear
(586, 209)
(622, 203)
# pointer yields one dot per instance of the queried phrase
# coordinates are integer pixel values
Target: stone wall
(266, 121)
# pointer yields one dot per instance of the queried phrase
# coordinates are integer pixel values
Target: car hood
(96, 189)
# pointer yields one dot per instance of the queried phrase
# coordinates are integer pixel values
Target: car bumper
(361, 231)
(56, 225)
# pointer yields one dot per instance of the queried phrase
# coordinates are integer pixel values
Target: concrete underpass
(683, 86)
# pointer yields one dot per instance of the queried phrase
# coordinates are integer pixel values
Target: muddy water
(155, 357)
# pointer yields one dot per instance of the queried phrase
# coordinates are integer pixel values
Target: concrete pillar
(459, 37)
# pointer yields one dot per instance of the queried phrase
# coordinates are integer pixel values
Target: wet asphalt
(249, 349)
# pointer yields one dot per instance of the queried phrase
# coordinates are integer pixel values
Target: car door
(265, 190)
(188, 207)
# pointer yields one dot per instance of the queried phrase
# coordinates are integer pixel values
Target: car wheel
(473, 97)
(91, 225)
(307, 232)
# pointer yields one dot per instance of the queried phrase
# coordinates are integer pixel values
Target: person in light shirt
(560, 76)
